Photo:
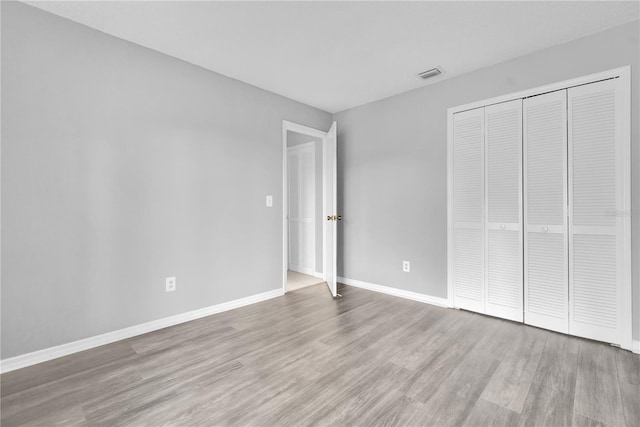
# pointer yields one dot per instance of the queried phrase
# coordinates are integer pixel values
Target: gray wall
(392, 163)
(121, 166)
(293, 139)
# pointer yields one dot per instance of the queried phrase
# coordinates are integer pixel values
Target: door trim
(305, 130)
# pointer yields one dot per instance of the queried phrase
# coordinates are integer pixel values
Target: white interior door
(503, 231)
(546, 288)
(468, 210)
(301, 213)
(600, 304)
(330, 192)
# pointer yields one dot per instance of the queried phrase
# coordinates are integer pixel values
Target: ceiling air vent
(430, 73)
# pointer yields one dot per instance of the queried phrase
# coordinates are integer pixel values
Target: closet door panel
(469, 268)
(504, 274)
(468, 215)
(596, 250)
(546, 288)
(594, 294)
(547, 279)
(503, 231)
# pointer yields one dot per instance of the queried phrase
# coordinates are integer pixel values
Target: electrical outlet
(406, 266)
(170, 284)
(269, 201)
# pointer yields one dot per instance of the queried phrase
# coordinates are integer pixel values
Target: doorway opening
(309, 197)
(304, 210)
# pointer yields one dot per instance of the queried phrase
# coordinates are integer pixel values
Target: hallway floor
(297, 280)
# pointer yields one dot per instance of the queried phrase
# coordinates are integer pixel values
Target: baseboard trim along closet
(51, 353)
(636, 347)
(414, 296)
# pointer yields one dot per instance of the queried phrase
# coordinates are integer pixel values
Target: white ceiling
(336, 55)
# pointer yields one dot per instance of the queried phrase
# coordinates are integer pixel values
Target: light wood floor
(297, 280)
(306, 359)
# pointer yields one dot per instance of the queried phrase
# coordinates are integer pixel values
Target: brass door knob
(339, 218)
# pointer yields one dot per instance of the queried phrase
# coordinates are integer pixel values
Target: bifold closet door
(598, 183)
(503, 230)
(468, 210)
(546, 288)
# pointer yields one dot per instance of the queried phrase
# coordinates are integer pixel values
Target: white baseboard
(441, 302)
(318, 275)
(636, 347)
(46, 354)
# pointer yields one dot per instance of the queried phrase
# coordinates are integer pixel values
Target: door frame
(305, 146)
(312, 132)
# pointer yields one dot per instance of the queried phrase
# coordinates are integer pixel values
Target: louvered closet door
(468, 217)
(596, 249)
(546, 288)
(503, 231)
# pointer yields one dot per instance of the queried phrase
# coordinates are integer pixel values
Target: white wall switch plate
(170, 284)
(406, 266)
(269, 201)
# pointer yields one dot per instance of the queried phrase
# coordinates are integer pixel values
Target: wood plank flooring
(306, 359)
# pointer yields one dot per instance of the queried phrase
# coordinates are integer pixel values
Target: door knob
(503, 226)
(545, 228)
(329, 218)
(339, 218)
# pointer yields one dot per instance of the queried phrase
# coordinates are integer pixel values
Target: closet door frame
(624, 76)
(624, 199)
